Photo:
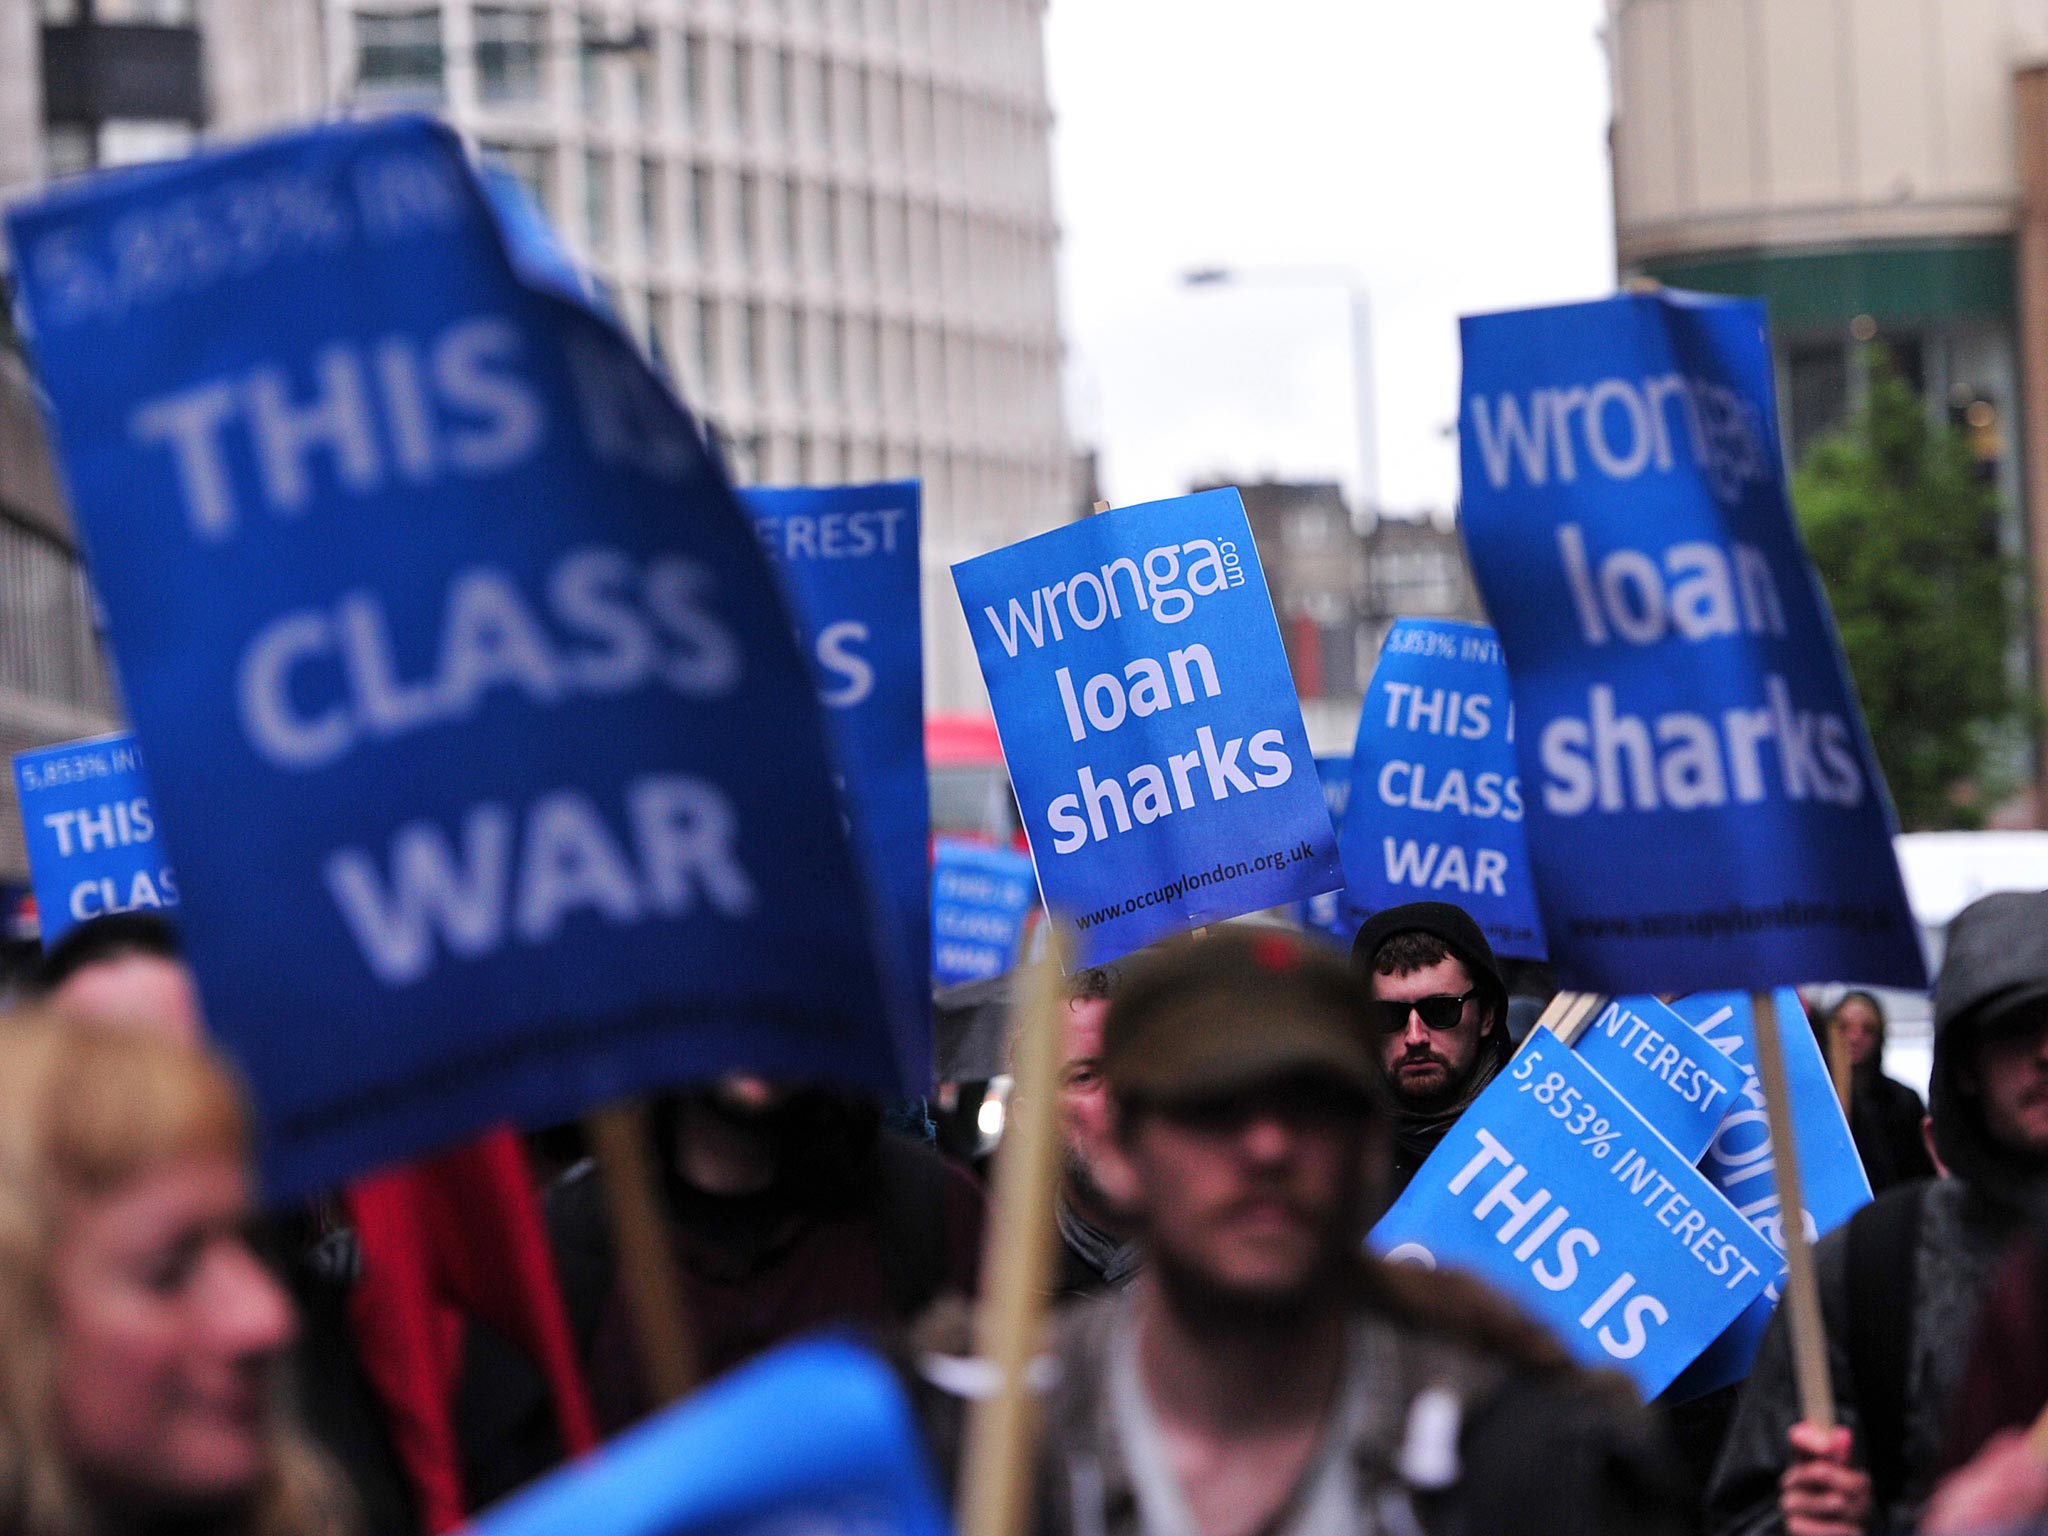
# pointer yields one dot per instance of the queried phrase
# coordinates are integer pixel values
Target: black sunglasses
(1439, 1013)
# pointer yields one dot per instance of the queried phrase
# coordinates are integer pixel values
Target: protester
(1884, 1114)
(1442, 1022)
(1096, 1251)
(790, 1210)
(1902, 1281)
(124, 968)
(127, 971)
(1261, 1373)
(138, 1378)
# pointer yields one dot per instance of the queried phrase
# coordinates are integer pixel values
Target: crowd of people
(1234, 1112)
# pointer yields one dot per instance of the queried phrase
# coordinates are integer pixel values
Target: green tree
(1903, 527)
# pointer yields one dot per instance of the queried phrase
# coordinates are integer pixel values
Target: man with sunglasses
(1441, 1020)
(1263, 1375)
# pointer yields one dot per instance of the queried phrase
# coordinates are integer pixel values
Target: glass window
(871, 362)
(508, 53)
(861, 232)
(707, 345)
(139, 140)
(829, 366)
(784, 86)
(853, 117)
(157, 13)
(639, 57)
(859, 212)
(694, 78)
(740, 97)
(653, 205)
(749, 213)
(886, 117)
(787, 222)
(590, 60)
(793, 353)
(532, 166)
(1817, 391)
(399, 51)
(834, 229)
(597, 199)
(818, 79)
(754, 347)
(700, 210)
(660, 322)
(70, 149)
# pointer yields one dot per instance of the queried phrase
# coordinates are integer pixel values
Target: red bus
(971, 794)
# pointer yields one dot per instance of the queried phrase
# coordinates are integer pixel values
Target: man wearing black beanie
(1442, 1020)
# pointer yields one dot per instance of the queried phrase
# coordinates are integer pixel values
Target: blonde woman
(139, 1336)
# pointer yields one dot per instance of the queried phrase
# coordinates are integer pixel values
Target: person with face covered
(143, 1339)
(789, 1208)
(1442, 1020)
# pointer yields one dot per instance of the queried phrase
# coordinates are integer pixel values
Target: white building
(831, 220)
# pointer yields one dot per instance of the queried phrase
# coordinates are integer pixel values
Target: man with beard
(1262, 1374)
(1096, 1252)
(1442, 1023)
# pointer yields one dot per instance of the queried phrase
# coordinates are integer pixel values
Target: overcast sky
(1450, 153)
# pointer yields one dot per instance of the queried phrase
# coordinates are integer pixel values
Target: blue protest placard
(1704, 809)
(1149, 722)
(981, 897)
(91, 833)
(1328, 913)
(494, 778)
(848, 555)
(814, 1438)
(1552, 1189)
(1670, 1076)
(1739, 1163)
(1436, 809)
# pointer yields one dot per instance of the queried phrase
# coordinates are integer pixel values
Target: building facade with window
(1860, 164)
(830, 221)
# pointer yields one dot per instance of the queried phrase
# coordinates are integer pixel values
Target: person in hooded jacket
(1442, 1020)
(1902, 1282)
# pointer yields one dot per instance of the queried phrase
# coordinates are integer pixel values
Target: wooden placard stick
(1016, 1268)
(1802, 1294)
(647, 1264)
(1569, 1013)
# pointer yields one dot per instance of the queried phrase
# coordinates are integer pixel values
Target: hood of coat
(1995, 962)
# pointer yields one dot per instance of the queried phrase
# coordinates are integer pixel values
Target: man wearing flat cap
(1263, 1375)
(1441, 1026)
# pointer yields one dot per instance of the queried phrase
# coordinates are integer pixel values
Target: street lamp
(1361, 347)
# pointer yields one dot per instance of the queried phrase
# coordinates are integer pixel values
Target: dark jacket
(2004, 1383)
(1884, 1117)
(1997, 957)
(1541, 1446)
(893, 1229)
